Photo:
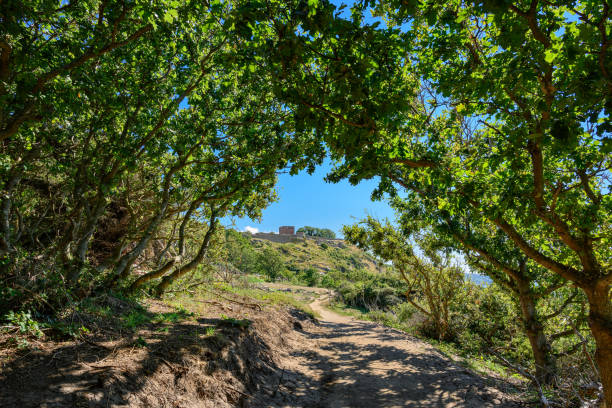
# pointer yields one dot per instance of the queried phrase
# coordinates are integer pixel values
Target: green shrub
(328, 281)
(240, 252)
(136, 318)
(383, 317)
(310, 277)
(68, 330)
(24, 322)
(270, 264)
(404, 312)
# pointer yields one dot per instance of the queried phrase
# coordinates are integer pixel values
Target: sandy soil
(353, 363)
(374, 366)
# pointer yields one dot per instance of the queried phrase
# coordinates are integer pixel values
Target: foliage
(304, 262)
(317, 232)
(509, 129)
(240, 252)
(434, 280)
(125, 126)
(24, 323)
(270, 263)
(368, 291)
(129, 129)
(273, 298)
(310, 276)
(69, 330)
(242, 323)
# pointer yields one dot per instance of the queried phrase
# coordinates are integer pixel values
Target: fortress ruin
(286, 230)
(286, 233)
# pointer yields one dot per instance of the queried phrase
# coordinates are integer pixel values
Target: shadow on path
(367, 365)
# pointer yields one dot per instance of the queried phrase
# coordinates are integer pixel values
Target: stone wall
(283, 239)
(286, 230)
(335, 242)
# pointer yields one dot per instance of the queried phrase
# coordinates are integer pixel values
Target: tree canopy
(126, 125)
(317, 232)
(508, 124)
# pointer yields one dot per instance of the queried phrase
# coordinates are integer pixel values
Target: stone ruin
(289, 230)
(286, 230)
(286, 233)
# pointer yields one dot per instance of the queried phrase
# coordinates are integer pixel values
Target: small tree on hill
(270, 263)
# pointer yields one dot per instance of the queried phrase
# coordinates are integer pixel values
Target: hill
(321, 256)
(355, 275)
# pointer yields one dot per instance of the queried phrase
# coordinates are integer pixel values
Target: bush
(240, 252)
(382, 317)
(328, 281)
(24, 323)
(270, 264)
(404, 312)
(486, 317)
(317, 232)
(370, 294)
(310, 277)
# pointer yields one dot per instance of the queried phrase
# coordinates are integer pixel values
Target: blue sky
(308, 200)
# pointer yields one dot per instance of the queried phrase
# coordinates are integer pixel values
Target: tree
(120, 124)
(317, 232)
(493, 254)
(503, 125)
(270, 263)
(240, 252)
(38, 59)
(435, 280)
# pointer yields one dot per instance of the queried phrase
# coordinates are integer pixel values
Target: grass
(322, 258)
(254, 279)
(140, 316)
(263, 297)
(90, 306)
(481, 364)
(376, 316)
(275, 298)
(346, 310)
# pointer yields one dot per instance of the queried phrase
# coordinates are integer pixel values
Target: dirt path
(362, 364)
(281, 359)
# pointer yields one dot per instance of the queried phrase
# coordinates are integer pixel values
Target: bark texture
(182, 270)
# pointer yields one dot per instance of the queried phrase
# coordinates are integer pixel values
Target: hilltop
(320, 255)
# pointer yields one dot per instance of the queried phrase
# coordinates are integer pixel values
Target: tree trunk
(177, 259)
(153, 274)
(545, 362)
(600, 322)
(5, 223)
(122, 269)
(80, 255)
(182, 270)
